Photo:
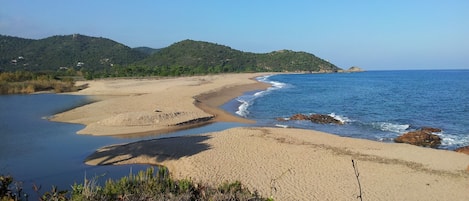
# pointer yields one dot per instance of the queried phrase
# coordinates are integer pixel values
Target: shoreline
(212, 101)
(120, 109)
(287, 164)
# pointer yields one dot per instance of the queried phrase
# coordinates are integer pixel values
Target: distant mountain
(101, 57)
(54, 52)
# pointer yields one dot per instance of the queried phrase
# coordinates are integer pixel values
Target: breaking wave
(340, 118)
(247, 99)
(390, 127)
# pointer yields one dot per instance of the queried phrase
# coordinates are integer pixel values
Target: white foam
(263, 78)
(260, 93)
(453, 140)
(275, 84)
(243, 108)
(246, 100)
(281, 126)
(386, 126)
(340, 118)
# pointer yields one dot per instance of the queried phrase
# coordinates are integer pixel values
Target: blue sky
(375, 35)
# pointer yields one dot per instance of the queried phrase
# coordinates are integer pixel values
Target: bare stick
(357, 174)
(274, 181)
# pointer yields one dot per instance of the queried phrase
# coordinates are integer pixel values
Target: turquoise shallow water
(376, 105)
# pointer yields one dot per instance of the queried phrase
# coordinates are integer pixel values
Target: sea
(375, 105)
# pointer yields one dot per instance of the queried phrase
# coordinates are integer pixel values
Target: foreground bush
(145, 185)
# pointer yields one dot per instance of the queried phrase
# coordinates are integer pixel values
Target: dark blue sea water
(376, 105)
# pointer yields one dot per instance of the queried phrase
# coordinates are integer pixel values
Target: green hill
(68, 51)
(101, 57)
(200, 57)
(146, 50)
(204, 57)
(287, 60)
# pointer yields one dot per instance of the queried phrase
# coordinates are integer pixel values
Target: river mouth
(36, 151)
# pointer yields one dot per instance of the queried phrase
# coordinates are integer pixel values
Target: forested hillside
(63, 52)
(287, 60)
(195, 57)
(146, 50)
(100, 57)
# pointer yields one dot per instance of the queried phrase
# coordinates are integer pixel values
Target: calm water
(37, 151)
(377, 105)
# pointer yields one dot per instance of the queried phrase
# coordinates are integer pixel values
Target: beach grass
(144, 185)
(27, 82)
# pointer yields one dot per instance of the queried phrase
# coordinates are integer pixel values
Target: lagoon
(37, 151)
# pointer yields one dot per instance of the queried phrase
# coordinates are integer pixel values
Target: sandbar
(125, 107)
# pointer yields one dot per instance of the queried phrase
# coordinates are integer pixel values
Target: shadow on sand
(156, 150)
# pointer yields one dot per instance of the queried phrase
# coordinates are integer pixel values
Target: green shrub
(145, 185)
(9, 189)
(148, 185)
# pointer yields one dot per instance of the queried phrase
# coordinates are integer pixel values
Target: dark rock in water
(315, 118)
(430, 129)
(324, 119)
(464, 150)
(299, 117)
(421, 137)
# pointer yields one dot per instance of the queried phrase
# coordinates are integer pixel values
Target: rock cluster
(324, 119)
(430, 129)
(315, 118)
(423, 137)
(299, 117)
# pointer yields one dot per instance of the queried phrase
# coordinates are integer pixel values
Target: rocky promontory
(355, 69)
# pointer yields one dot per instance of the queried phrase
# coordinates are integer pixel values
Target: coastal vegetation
(96, 57)
(22, 82)
(145, 185)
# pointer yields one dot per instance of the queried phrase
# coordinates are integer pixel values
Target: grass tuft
(144, 185)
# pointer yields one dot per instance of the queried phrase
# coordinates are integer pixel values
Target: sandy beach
(287, 164)
(139, 106)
